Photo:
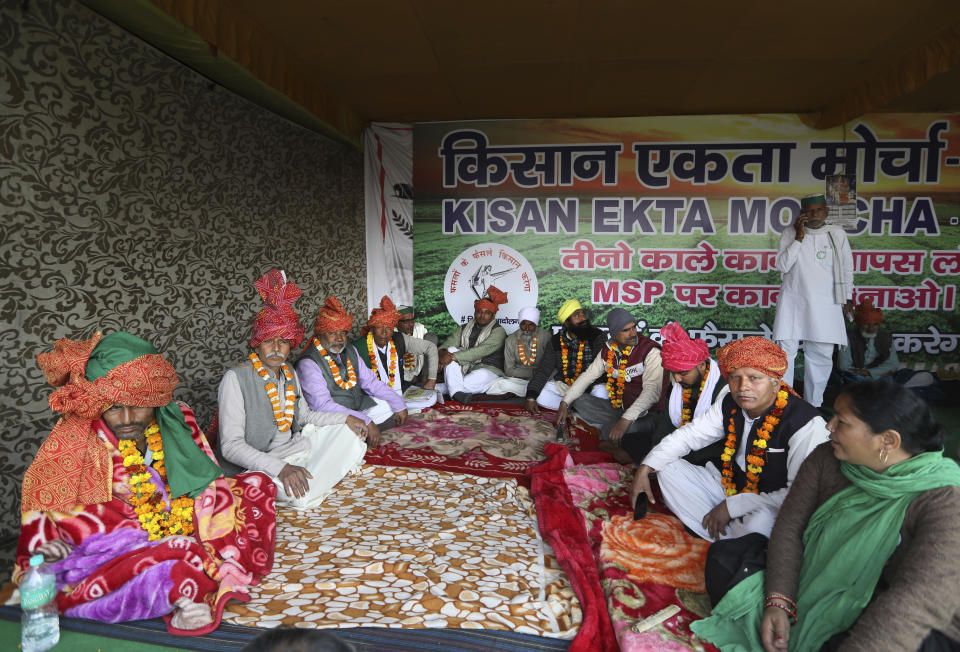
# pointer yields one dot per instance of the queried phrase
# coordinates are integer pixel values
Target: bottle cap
(36, 560)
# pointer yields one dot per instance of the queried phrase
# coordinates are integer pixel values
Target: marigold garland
(564, 353)
(391, 372)
(283, 416)
(686, 413)
(615, 387)
(156, 517)
(409, 362)
(758, 453)
(335, 370)
(528, 362)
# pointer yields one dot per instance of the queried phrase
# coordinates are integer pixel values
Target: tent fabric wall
(388, 201)
(137, 195)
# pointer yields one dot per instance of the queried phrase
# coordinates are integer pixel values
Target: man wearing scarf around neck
(126, 502)
(816, 292)
(265, 423)
(745, 494)
(385, 349)
(472, 357)
(871, 353)
(696, 379)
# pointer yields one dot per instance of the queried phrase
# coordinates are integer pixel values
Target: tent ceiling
(424, 60)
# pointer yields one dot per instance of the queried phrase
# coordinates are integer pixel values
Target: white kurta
(690, 492)
(806, 309)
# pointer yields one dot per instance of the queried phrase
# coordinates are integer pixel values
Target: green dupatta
(847, 543)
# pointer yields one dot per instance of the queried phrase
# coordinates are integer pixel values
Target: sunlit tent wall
(136, 194)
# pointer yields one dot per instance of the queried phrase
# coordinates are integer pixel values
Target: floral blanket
(491, 440)
(402, 547)
(640, 583)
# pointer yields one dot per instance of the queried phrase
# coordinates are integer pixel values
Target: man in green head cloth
(126, 502)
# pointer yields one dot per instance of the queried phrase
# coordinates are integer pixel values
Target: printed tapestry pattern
(502, 441)
(640, 583)
(137, 195)
(414, 548)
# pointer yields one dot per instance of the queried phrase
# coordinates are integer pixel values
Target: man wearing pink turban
(696, 379)
(266, 425)
(766, 430)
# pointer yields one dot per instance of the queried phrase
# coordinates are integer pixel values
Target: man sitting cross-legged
(697, 383)
(472, 357)
(635, 383)
(265, 423)
(522, 352)
(768, 431)
(125, 501)
(384, 349)
(567, 354)
(334, 379)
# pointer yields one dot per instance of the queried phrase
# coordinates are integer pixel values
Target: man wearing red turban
(125, 501)
(384, 350)
(265, 425)
(472, 357)
(697, 381)
(870, 353)
(767, 431)
(334, 379)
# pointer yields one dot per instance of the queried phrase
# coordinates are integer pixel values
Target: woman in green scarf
(865, 553)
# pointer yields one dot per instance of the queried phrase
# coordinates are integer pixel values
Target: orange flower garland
(686, 413)
(564, 353)
(337, 378)
(156, 517)
(283, 416)
(615, 388)
(529, 362)
(391, 372)
(758, 453)
(409, 361)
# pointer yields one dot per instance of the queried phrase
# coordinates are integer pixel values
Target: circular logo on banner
(481, 266)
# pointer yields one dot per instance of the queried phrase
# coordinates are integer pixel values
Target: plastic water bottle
(40, 624)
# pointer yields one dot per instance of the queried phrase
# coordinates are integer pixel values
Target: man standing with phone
(816, 293)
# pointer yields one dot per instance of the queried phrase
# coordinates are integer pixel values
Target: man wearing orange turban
(871, 353)
(472, 357)
(767, 431)
(384, 350)
(125, 501)
(265, 425)
(334, 379)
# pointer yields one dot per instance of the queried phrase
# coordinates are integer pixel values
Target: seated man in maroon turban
(767, 431)
(127, 502)
(265, 423)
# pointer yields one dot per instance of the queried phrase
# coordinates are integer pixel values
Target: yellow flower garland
(758, 454)
(564, 352)
(156, 517)
(527, 362)
(284, 416)
(337, 378)
(391, 372)
(615, 387)
(686, 414)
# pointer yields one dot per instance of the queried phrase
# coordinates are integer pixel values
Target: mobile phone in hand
(640, 507)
